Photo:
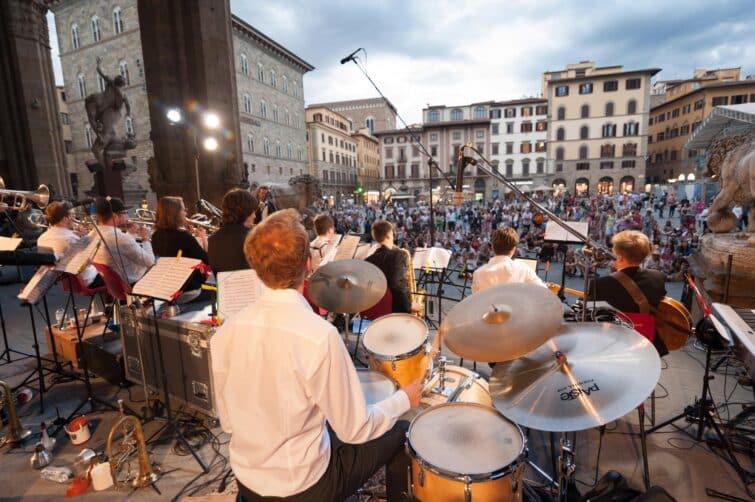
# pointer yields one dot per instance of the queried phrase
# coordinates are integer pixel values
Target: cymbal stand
(566, 468)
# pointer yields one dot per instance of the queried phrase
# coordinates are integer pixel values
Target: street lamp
(210, 144)
(211, 120)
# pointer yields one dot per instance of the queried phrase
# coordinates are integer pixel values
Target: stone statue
(104, 111)
(733, 160)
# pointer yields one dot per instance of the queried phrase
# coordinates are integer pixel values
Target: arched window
(540, 165)
(607, 150)
(88, 138)
(260, 72)
(130, 125)
(299, 153)
(525, 167)
(370, 124)
(82, 85)
(631, 107)
(247, 103)
(123, 70)
(96, 35)
(433, 116)
(479, 112)
(509, 168)
(584, 132)
(285, 84)
(275, 113)
(585, 111)
(457, 114)
(244, 63)
(583, 152)
(609, 109)
(287, 116)
(75, 36)
(250, 142)
(631, 129)
(117, 21)
(561, 113)
(560, 134)
(263, 109)
(297, 122)
(609, 130)
(273, 78)
(290, 151)
(560, 153)
(266, 146)
(278, 148)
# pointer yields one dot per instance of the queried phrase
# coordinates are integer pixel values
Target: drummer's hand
(416, 307)
(414, 392)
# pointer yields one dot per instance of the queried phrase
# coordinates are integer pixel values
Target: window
(456, 135)
(263, 109)
(433, 116)
(509, 128)
(82, 86)
(273, 79)
(699, 104)
(540, 146)
(296, 88)
(64, 118)
(287, 116)
(101, 82)
(584, 111)
(389, 153)
(583, 152)
(289, 151)
(402, 171)
(434, 150)
(627, 164)
(509, 168)
(75, 36)
(434, 136)
(584, 132)
(370, 124)
(130, 126)
(606, 164)
(631, 129)
(457, 114)
(415, 170)
(562, 90)
(560, 153)
(117, 21)
(480, 134)
(525, 147)
(583, 166)
(389, 171)
(495, 114)
(559, 167)
(244, 64)
(494, 129)
(607, 150)
(123, 70)
(541, 125)
(609, 109)
(275, 113)
(260, 72)
(415, 151)
(494, 149)
(96, 35)
(285, 83)
(609, 130)
(685, 129)
(526, 111)
(250, 143)
(526, 127)
(479, 112)
(509, 148)
(266, 146)
(525, 167)
(509, 113)
(673, 154)
(610, 85)
(88, 138)
(675, 113)
(634, 83)
(561, 114)
(686, 109)
(541, 110)
(720, 101)
(585, 88)
(540, 166)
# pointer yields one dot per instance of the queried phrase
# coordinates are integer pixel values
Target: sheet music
(365, 249)
(434, 258)
(78, 255)
(38, 285)
(9, 243)
(530, 263)
(347, 248)
(166, 277)
(554, 232)
(237, 290)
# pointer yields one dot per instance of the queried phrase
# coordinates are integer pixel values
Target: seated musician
(501, 269)
(59, 236)
(226, 246)
(392, 262)
(325, 229)
(171, 236)
(631, 247)
(288, 393)
(129, 258)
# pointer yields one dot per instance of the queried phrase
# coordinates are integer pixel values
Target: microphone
(82, 202)
(350, 57)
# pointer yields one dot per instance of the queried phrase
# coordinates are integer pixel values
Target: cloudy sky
(452, 52)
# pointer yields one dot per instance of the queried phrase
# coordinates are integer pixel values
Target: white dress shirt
(279, 372)
(59, 239)
(129, 256)
(502, 269)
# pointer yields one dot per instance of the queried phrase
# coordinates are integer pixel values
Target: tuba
(16, 431)
(416, 295)
(132, 438)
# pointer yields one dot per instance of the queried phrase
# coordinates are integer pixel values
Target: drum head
(375, 386)
(464, 438)
(395, 334)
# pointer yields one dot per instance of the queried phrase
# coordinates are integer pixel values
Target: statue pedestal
(109, 181)
(710, 267)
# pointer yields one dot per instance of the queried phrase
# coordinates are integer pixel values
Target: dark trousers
(351, 465)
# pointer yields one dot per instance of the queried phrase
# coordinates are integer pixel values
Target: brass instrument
(145, 215)
(416, 295)
(204, 221)
(208, 207)
(38, 219)
(132, 439)
(21, 199)
(16, 431)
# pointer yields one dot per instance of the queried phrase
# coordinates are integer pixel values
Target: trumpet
(20, 199)
(204, 221)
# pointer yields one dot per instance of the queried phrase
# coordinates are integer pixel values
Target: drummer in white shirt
(325, 229)
(288, 393)
(60, 235)
(501, 269)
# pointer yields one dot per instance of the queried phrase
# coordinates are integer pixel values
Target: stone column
(188, 63)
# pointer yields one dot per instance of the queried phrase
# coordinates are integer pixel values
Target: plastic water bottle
(57, 474)
(59, 315)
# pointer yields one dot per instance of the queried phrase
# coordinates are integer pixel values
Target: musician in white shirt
(501, 269)
(288, 393)
(60, 235)
(325, 229)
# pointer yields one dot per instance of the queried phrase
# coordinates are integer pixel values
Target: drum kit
(465, 441)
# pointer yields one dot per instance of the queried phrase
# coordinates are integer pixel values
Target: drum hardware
(566, 468)
(16, 432)
(441, 388)
(462, 387)
(20, 199)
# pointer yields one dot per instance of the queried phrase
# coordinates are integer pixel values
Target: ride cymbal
(584, 377)
(347, 286)
(502, 323)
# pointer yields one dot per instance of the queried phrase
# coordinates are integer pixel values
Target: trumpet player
(171, 236)
(61, 233)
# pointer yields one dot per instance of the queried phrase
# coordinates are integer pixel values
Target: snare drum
(375, 386)
(475, 388)
(465, 451)
(396, 345)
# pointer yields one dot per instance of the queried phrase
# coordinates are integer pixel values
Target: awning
(722, 121)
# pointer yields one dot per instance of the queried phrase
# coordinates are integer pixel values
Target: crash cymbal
(584, 377)
(502, 323)
(347, 286)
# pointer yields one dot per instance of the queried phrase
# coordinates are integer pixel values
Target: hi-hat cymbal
(584, 377)
(347, 286)
(502, 323)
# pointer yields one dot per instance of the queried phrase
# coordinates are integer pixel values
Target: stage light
(210, 144)
(174, 115)
(691, 177)
(211, 120)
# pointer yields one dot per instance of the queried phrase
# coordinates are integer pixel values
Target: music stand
(556, 234)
